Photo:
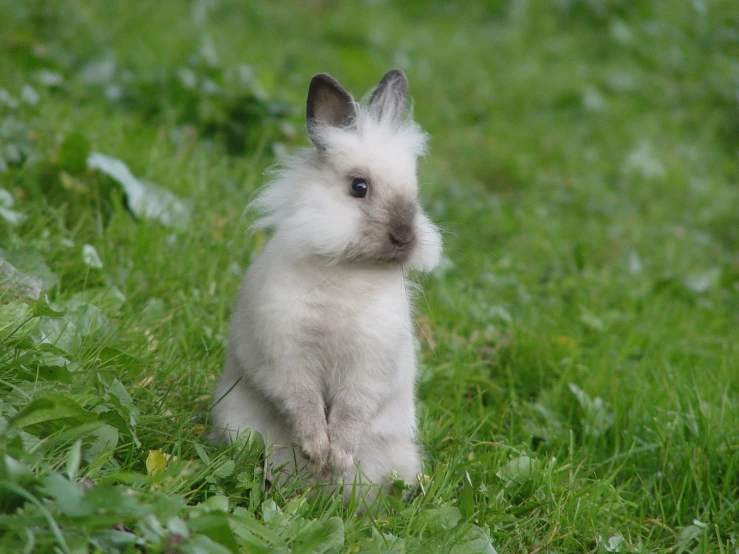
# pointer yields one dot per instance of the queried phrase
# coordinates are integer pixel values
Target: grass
(579, 387)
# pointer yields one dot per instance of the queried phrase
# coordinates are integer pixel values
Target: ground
(579, 388)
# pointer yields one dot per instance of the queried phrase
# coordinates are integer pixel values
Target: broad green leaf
(154, 310)
(16, 471)
(69, 496)
(49, 366)
(217, 503)
(114, 541)
(215, 526)
(177, 525)
(200, 544)
(17, 478)
(518, 470)
(145, 199)
(14, 284)
(388, 541)
(118, 390)
(321, 537)
(106, 438)
(58, 332)
(112, 355)
(114, 418)
(689, 536)
(31, 262)
(72, 430)
(16, 321)
(107, 299)
(225, 469)
(150, 528)
(51, 407)
(474, 541)
(614, 543)
(271, 512)
(250, 445)
(202, 454)
(438, 519)
(42, 307)
(87, 319)
(246, 527)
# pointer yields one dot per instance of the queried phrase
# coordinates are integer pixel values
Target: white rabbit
(321, 359)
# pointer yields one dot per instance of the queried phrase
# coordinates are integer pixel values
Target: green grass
(579, 388)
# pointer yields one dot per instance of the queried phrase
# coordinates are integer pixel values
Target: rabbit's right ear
(328, 104)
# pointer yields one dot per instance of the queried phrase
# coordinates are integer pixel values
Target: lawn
(579, 380)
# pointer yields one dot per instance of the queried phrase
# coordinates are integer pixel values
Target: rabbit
(321, 358)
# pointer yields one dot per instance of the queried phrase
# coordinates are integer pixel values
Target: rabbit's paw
(340, 459)
(316, 449)
(343, 448)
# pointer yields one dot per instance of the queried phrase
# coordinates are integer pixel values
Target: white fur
(321, 359)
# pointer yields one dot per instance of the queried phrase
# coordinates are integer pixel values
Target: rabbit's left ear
(328, 104)
(388, 98)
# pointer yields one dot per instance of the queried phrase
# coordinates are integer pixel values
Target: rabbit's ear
(388, 98)
(328, 104)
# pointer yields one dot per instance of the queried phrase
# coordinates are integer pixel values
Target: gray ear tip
(324, 81)
(388, 99)
(395, 76)
(328, 104)
(322, 77)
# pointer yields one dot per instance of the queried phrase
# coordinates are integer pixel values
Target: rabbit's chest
(355, 321)
(333, 319)
(344, 327)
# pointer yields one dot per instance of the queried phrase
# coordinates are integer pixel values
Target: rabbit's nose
(400, 237)
(400, 228)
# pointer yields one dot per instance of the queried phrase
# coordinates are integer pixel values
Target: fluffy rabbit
(321, 359)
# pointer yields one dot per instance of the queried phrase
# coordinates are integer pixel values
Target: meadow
(579, 343)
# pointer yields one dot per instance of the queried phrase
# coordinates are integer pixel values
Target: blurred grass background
(580, 375)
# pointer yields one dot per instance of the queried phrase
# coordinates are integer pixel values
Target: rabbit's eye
(359, 187)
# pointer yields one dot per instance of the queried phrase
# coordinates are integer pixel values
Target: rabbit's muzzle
(401, 216)
(401, 223)
(389, 234)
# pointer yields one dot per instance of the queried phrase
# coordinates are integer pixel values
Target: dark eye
(359, 187)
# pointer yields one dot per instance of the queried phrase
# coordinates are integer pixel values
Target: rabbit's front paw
(340, 459)
(316, 449)
(343, 448)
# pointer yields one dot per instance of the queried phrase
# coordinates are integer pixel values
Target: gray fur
(389, 97)
(402, 215)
